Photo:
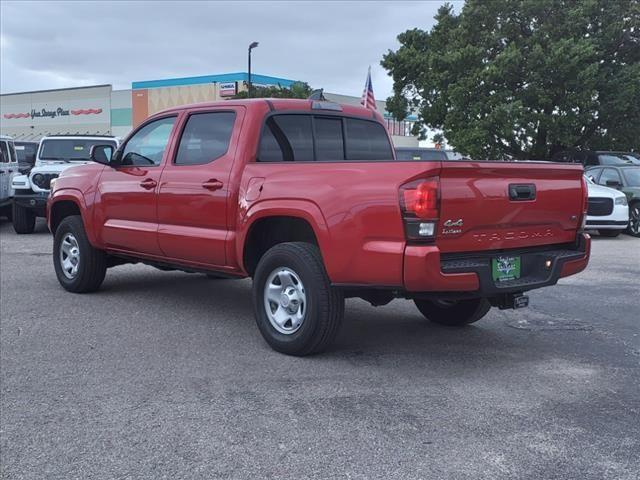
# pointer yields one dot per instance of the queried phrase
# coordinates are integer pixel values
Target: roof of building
(223, 77)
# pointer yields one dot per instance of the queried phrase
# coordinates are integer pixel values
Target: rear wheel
(24, 220)
(297, 310)
(634, 219)
(453, 313)
(609, 233)
(80, 268)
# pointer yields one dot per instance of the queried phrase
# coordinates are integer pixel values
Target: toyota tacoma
(308, 199)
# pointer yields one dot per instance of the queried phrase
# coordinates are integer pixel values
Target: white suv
(608, 211)
(55, 154)
(8, 169)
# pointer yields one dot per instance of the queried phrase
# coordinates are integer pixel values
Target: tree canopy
(296, 90)
(522, 79)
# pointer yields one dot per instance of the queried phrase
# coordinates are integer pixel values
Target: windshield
(614, 159)
(70, 150)
(632, 175)
(26, 152)
(428, 155)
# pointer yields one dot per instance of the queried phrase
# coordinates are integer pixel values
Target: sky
(328, 44)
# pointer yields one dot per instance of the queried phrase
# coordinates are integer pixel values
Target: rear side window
(329, 139)
(287, 138)
(205, 137)
(367, 140)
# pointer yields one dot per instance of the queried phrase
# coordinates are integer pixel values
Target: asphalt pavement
(165, 375)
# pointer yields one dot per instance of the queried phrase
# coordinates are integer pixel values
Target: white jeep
(55, 154)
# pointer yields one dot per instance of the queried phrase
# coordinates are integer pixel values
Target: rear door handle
(148, 183)
(212, 184)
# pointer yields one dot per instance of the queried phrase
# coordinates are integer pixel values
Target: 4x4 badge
(453, 223)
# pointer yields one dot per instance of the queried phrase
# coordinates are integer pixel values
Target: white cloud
(327, 44)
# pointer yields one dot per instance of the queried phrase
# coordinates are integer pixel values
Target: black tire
(7, 211)
(453, 313)
(24, 220)
(324, 307)
(92, 265)
(610, 233)
(634, 220)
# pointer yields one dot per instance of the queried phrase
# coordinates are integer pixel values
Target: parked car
(307, 198)
(625, 178)
(410, 153)
(26, 152)
(593, 158)
(55, 154)
(608, 211)
(8, 168)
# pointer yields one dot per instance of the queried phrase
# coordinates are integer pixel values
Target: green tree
(524, 78)
(296, 90)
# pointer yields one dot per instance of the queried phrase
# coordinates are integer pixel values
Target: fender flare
(298, 208)
(74, 195)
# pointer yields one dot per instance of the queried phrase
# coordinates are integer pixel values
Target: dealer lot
(164, 375)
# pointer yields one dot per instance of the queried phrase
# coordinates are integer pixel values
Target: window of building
(206, 136)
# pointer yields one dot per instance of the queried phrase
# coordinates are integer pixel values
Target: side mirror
(101, 153)
(590, 177)
(613, 183)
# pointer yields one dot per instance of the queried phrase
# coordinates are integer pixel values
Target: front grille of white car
(600, 207)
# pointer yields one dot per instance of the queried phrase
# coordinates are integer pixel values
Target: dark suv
(594, 158)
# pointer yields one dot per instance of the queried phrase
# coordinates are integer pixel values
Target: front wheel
(453, 313)
(634, 220)
(297, 310)
(80, 268)
(610, 233)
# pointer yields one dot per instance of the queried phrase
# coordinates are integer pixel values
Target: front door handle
(148, 183)
(212, 185)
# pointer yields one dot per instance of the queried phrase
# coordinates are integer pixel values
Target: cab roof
(283, 104)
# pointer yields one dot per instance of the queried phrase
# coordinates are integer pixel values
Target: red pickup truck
(307, 198)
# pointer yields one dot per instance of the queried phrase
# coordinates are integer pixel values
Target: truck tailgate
(502, 205)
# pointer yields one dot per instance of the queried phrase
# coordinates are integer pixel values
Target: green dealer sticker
(505, 268)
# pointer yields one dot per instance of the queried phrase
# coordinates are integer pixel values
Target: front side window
(206, 137)
(147, 146)
(70, 150)
(367, 140)
(287, 138)
(609, 175)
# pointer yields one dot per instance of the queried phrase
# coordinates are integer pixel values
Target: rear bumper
(33, 201)
(427, 270)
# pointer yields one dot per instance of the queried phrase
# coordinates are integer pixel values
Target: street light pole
(251, 47)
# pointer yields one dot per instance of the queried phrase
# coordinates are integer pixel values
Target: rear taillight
(585, 203)
(419, 203)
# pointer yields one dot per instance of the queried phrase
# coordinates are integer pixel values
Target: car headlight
(38, 179)
(621, 200)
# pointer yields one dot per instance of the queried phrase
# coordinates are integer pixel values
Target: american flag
(368, 100)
